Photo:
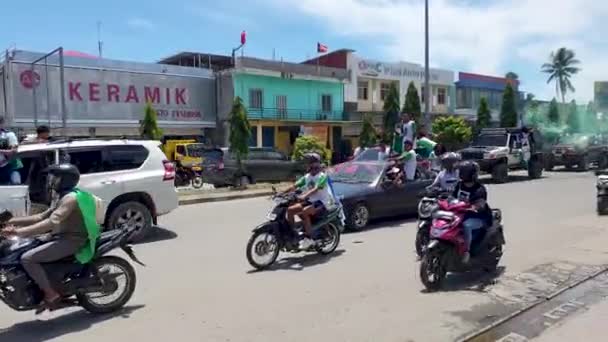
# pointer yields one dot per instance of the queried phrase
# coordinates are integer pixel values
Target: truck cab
(188, 152)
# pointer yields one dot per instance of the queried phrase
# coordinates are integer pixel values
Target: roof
(199, 59)
(60, 144)
(328, 54)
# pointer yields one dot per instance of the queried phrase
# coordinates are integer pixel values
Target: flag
(243, 38)
(321, 48)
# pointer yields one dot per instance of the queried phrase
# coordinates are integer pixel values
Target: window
(362, 89)
(282, 105)
(326, 103)
(384, 89)
(441, 96)
(256, 99)
(87, 160)
(253, 138)
(125, 157)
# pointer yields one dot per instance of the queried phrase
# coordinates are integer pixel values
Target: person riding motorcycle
(471, 191)
(316, 198)
(68, 221)
(448, 177)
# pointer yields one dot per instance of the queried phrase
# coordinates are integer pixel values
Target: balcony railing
(291, 114)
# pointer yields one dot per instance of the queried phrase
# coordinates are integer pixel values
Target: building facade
(471, 88)
(102, 97)
(284, 100)
(370, 80)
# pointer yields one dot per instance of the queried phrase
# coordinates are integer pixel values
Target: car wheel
(535, 169)
(358, 218)
(500, 173)
(132, 214)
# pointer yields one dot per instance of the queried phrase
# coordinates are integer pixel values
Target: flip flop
(52, 305)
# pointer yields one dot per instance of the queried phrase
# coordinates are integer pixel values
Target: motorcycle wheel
(422, 240)
(330, 240)
(262, 244)
(110, 301)
(497, 254)
(432, 272)
(197, 182)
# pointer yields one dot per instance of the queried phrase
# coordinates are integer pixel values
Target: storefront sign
(319, 131)
(376, 69)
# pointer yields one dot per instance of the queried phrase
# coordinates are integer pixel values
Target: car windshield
(490, 140)
(356, 172)
(371, 154)
(195, 150)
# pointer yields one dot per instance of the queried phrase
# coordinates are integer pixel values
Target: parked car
(133, 178)
(260, 165)
(365, 193)
(580, 150)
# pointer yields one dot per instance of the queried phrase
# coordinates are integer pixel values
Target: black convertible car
(367, 195)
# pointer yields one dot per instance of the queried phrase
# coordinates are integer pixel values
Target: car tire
(133, 213)
(500, 173)
(583, 164)
(358, 218)
(535, 169)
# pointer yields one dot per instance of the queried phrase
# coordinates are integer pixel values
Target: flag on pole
(321, 48)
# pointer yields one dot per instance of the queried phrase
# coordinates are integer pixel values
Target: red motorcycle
(446, 248)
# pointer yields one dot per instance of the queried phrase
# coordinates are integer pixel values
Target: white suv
(132, 177)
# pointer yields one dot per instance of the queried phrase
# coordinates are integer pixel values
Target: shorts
(319, 206)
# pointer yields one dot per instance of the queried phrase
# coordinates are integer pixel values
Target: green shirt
(319, 181)
(88, 208)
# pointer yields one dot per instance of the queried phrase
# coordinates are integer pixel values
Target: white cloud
(141, 24)
(477, 35)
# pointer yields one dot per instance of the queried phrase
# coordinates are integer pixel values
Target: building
(471, 88)
(600, 97)
(370, 80)
(102, 97)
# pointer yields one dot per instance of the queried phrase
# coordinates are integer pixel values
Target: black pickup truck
(580, 150)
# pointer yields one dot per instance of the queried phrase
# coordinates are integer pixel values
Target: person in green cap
(72, 223)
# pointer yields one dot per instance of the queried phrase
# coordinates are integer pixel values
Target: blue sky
(492, 37)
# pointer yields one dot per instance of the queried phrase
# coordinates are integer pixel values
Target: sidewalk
(587, 326)
(193, 196)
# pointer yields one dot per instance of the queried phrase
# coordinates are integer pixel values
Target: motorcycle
(429, 203)
(188, 175)
(275, 235)
(446, 249)
(95, 286)
(602, 192)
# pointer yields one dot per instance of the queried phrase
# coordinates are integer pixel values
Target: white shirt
(408, 132)
(12, 142)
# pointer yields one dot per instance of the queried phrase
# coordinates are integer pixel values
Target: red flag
(321, 48)
(243, 38)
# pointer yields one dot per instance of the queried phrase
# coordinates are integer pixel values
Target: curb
(227, 197)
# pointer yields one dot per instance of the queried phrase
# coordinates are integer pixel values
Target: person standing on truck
(9, 163)
(408, 129)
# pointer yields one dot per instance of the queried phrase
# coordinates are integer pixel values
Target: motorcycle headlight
(271, 216)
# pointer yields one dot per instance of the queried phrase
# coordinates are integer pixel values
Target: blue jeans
(468, 226)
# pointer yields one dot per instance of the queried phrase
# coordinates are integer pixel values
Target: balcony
(291, 114)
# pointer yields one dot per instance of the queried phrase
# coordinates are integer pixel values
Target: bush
(240, 131)
(149, 127)
(452, 131)
(308, 144)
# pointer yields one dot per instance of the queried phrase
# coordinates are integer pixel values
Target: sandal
(52, 305)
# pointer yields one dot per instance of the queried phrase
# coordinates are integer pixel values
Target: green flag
(86, 203)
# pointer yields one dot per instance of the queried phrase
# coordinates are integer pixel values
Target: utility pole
(427, 88)
(99, 42)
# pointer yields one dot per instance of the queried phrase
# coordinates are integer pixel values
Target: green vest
(86, 204)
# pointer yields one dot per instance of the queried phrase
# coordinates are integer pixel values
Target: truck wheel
(583, 164)
(535, 169)
(500, 173)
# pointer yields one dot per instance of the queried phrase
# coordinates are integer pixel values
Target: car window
(212, 156)
(87, 160)
(124, 157)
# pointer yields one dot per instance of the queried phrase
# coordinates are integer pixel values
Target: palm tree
(562, 65)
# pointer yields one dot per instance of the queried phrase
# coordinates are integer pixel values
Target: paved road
(199, 287)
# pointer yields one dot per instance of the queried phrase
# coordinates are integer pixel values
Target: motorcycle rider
(68, 221)
(471, 191)
(316, 198)
(448, 177)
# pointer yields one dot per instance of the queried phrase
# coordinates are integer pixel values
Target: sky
(483, 36)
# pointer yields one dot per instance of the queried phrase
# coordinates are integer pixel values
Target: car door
(411, 195)
(94, 176)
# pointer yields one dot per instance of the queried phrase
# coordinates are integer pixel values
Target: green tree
(508, 110)
(452, 131)
(367, 137)
(553, 114)
(391, 112)
(310, 144)
(574, 121)
(240, 133)
(412, 103)
(561, 67)
(483, 114)
(149, 125)
(512, 76)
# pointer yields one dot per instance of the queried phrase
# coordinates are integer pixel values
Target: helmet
(448, 160)
(63, 177)
(468, 171)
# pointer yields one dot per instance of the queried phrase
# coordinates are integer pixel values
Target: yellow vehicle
(187, 151)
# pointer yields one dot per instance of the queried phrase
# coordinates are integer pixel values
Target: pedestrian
(9, 163)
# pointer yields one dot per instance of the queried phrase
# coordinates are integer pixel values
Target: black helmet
(468, 171)
(63, 177)
(448, 160)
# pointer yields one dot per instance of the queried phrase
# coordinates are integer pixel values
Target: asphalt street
(198, 286)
